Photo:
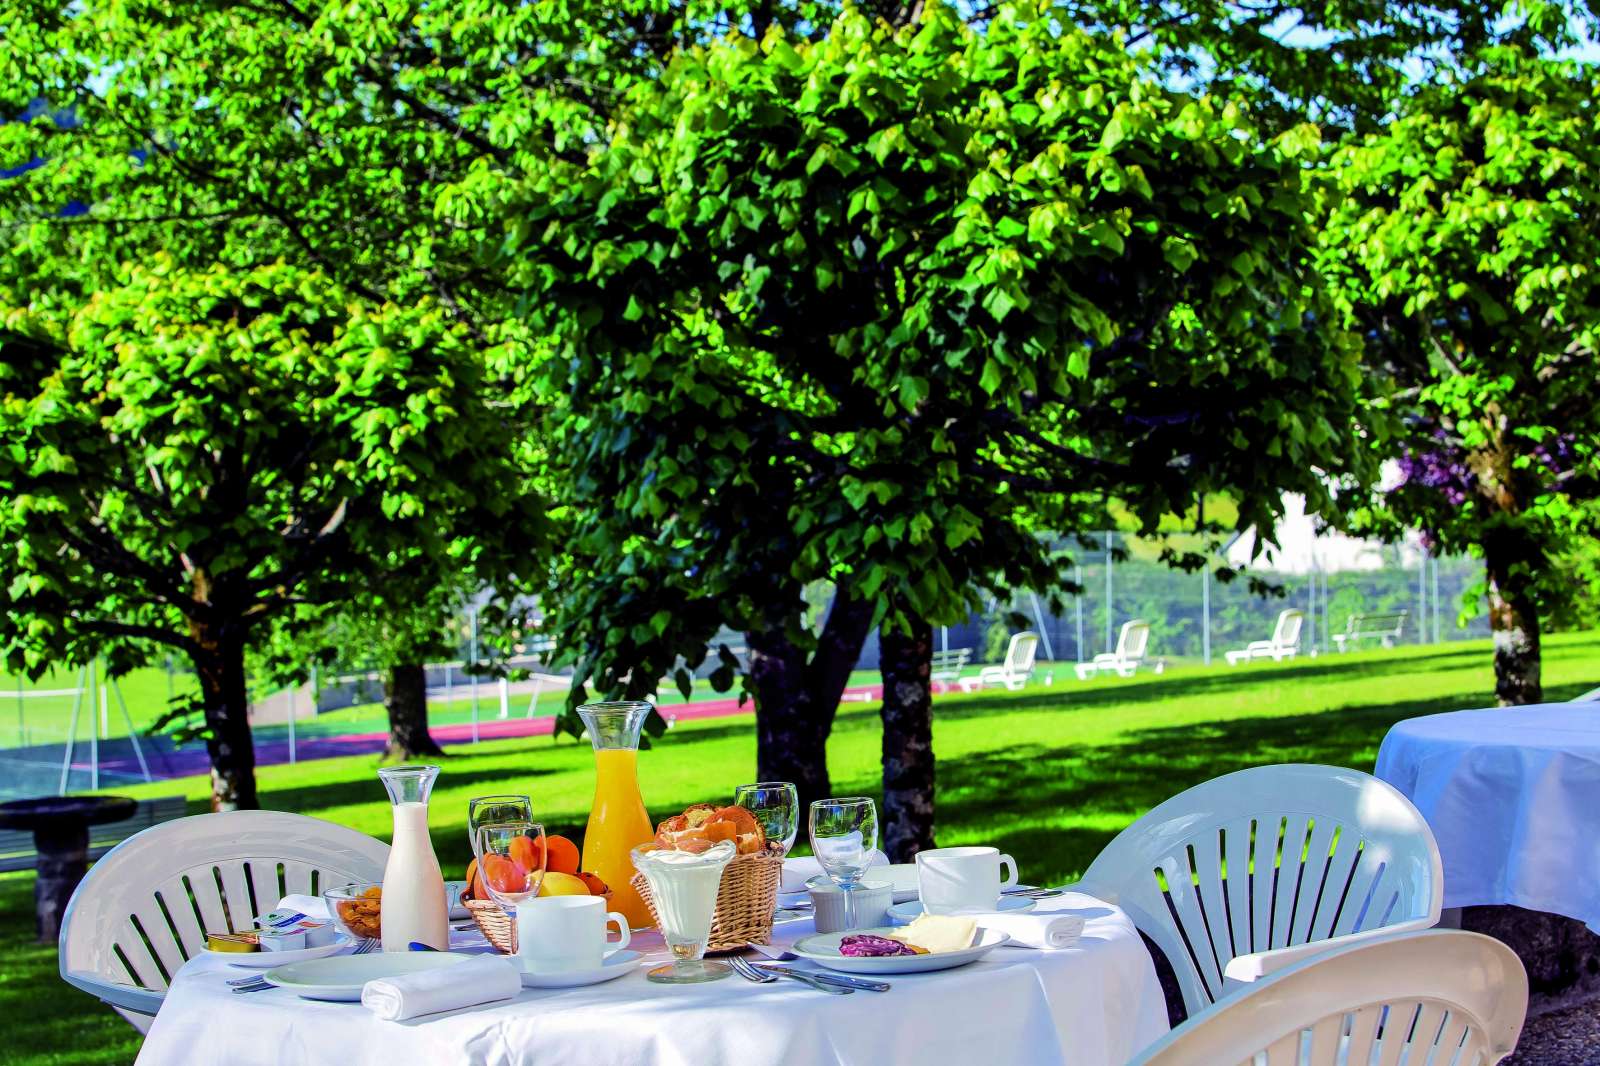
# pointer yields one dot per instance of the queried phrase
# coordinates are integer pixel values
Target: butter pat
(938, 932)
(236, 942)
(281, 939)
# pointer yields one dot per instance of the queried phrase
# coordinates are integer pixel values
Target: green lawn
(1047, 774)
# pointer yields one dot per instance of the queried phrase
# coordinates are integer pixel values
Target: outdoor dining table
(1512, 795)
(1095, 1003)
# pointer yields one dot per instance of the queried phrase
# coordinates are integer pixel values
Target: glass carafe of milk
(414, 908)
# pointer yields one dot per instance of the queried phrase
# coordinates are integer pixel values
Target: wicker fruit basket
(496, 924)
(745, 900)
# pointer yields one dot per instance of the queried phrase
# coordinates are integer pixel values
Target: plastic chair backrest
(1133, 639)
(148, 905)
(1268, 857)
(1020, 653)
(1439, 996)
(1286, 634)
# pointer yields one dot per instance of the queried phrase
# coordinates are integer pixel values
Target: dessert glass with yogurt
(684, 886)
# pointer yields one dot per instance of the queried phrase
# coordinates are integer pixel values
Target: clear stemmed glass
(776, 806)
(483, 810)
(511, 860)
(684, 886)
(844, 832)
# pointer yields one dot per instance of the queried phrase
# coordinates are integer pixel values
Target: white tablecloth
(1090, 1005)
(1513, 797)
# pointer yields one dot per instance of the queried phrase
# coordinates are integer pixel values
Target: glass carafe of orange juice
(618, 821)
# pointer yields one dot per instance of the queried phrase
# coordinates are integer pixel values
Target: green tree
(1462, 242)
(886, 307)
(191, 453)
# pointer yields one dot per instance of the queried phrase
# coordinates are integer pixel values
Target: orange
(597, 887)
(561, 855)
(470, 892)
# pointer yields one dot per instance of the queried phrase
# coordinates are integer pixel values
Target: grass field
(1048, 774)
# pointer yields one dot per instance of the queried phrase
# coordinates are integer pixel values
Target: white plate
(266, 960)
(341, 977)
(614, 967)
(823, 948)
(902, 875)
(905, 913)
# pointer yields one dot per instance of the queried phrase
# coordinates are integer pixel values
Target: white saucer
(614, 967)
(903, 913)
(823, 948)
(341, 979)
(266, 960)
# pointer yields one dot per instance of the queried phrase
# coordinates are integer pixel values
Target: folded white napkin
(1045, 931)
(796, 872)
(310, 906)
(485, 979)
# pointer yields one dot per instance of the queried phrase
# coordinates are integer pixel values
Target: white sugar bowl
(872, 900)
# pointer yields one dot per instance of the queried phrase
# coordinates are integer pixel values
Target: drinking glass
(776, 806)
(511, 861)
(483, 810)
(844, 832)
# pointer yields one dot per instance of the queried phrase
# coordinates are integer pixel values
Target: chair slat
(1289, 859)
(297, 878)
(1208, 870)
(1364, 1036)
(202, 885)
(1314, 891)
(1181, 891)
(1237, 853)
(1265, 851)
(263, 873)
(144, 964)
(237, 895)
(176, 898)
(1326, 1036)
(159, 934)
(1285, 1051)
(1426, 1032)
(1397, 1032)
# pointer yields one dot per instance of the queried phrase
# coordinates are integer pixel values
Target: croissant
(704, 824)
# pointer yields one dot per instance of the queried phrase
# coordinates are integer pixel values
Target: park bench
(1385, 626)
(16, 846)
(948, 664)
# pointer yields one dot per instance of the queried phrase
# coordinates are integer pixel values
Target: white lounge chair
(1254, 871)
(1441, 996)
(150, 903)
(1132, 641)
(1285, 642)
(1014, 672)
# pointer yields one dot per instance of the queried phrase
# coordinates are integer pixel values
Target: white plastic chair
(148, 905)
(1249, 873)
(1284, 644)
(1132, 640)
(1440, 997)
(1014, 672)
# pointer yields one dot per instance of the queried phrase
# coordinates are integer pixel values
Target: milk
(414, 904)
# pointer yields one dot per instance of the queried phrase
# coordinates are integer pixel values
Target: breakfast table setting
(697, 940)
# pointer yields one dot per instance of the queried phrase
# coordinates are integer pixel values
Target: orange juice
(618, 823)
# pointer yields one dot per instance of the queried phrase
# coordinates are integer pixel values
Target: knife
(829, 977)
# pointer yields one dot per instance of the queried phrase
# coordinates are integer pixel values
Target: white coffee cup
(957, 880)
(559, 934)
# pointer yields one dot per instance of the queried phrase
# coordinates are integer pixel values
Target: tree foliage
(1463, 243)
(885, 306)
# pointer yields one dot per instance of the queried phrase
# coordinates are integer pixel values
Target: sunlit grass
(1048, 774)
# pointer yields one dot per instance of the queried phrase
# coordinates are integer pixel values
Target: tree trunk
(796, 699)
(1514, 620)
(405, 697)
(219, 664)
(906, 658)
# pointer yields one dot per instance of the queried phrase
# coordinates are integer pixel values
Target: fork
(363, 947)
(765, 977)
